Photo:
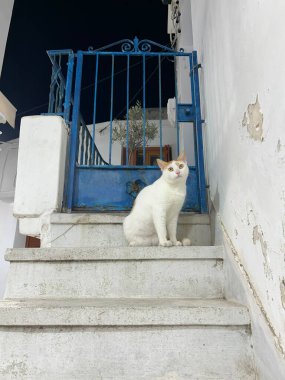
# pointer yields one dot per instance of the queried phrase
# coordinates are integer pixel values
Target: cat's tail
(186, 242)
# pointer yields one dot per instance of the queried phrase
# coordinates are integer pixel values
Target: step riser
(122, 279)
(125, 353)
(111, 235)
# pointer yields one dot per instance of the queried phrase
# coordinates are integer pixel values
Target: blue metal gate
(94, 182)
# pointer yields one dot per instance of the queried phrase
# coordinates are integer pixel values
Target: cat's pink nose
(177, 172)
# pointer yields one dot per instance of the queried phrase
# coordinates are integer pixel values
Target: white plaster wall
(269, 361)
(240, 44)
(185, 41)
(9, 238)
(6, 7)
(9, 231)
(41, 168)
(8, 169)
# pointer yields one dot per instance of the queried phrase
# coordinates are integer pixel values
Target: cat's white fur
(153, 219)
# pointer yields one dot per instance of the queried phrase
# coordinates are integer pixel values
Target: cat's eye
(181, 166)
(170, 169)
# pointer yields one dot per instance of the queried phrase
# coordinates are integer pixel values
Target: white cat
(153, 219)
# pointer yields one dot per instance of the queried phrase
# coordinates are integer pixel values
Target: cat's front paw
(178, 243)
(166, 243)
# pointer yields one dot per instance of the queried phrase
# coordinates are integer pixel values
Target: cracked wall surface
(253, 121)
(243, 103)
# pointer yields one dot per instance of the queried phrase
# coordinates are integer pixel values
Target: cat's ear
(161, 164)
(182, 157)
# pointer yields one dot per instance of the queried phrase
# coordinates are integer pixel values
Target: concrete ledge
(117, 218)
(114, 253)
(122, 312)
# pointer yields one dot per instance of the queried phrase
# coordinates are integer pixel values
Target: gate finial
(136, 44)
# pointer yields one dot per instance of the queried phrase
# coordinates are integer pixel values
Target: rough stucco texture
(243, 81)
(41, 165)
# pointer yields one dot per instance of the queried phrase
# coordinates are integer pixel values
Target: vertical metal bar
(194, 125)
(144, 111)
(89, 149)
(56, 97)
(89, 144)
(61, 96)
(127, 105)
(176, 109)
(159, 95)
(86, 145)
(51, 91)
(111, 111)
(193, 103)
(80, 144)
(67, 102)
(94, 109)
(74, 133)
(199, 136)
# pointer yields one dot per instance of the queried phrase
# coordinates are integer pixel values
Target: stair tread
(117, 218)
(122, 312)
(114, 253)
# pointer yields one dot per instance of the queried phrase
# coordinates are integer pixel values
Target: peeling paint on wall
(258, 236)
(277, 337)
(253, 121)
(282, 291)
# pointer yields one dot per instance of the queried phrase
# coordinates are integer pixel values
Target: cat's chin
(177, 179)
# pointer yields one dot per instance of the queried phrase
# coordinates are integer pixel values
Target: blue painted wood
(106, 189)
(74, 133)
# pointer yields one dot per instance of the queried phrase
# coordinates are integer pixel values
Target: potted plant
(135, 135)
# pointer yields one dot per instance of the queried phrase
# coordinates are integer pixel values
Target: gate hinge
(185, 113)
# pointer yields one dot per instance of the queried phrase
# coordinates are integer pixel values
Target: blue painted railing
(84, 154)
(61, 104)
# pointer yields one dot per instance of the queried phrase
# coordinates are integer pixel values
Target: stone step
(125, 339)
(122, 312)
(116, 272)
(89, 230)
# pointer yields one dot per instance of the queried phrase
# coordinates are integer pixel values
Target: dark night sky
(37, 26)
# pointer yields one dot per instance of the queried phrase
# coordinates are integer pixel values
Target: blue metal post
(111, 112)
(159, 95)
(144, 111)
(81, 133)
(94, 109)
(199, 136)
(127, 117)
(51, 91)
(86, 145)
(176, 109)
(74, 133)
(67, 102)
(192, 86)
